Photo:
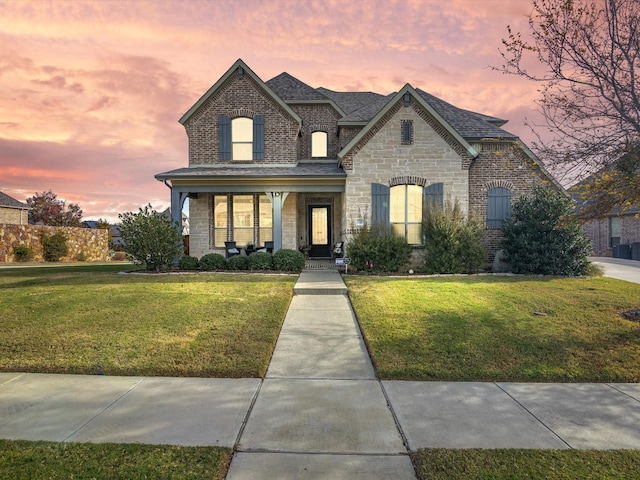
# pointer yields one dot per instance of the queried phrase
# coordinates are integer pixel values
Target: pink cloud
(91, 91)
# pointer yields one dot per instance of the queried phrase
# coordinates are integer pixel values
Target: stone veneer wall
(15, 216)
(384, 158)
(92, 243)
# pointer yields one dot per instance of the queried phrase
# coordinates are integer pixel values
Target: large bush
(150, 238)
(213, 261)
(375, 251)
(23, 253)
(453, 242)
(54, 247)
(543, 236)
(288, 260)
(260, 261)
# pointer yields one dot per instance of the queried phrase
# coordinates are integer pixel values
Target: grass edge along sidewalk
(508, 329)
(95, 321)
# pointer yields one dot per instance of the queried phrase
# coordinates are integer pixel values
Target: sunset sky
(91, 91)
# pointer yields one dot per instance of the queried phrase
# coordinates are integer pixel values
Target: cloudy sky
(91, 91)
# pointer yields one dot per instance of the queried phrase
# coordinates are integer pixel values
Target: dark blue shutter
(407, 132)
(380, 206)
(498, 206)
(258, 137)
(224, 123)
(434, 196)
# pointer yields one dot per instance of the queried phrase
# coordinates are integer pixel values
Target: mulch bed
(633, 315)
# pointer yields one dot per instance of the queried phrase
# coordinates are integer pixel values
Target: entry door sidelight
(320, 231)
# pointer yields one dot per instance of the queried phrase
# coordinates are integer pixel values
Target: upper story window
(319, 144)
(498, 206)
(241, 139)
(406, 132)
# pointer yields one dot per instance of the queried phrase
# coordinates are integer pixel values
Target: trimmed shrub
(23, 253)
(54, 247)
(188, 262)
(375, 251)
(238, 262)
(150, 238)
(288, 260)
(544, 236)
(260, 261)
(213, 261)
(453, 242)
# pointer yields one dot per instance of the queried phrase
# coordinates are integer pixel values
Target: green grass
(441, 464)
(499, 328)
(92, 320)
(49, 460)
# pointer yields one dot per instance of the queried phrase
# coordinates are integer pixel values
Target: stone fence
(87, 244)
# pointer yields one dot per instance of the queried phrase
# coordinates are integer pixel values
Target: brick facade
(241, 97)
(599, 233)
(437, 151)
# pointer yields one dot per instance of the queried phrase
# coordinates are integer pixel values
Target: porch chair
(230, 248)
(268, 246)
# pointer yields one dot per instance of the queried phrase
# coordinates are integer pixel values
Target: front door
(320, 230)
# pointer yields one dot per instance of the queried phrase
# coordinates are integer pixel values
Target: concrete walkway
(628, 270)
(320, 412)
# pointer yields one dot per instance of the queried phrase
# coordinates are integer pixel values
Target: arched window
(242, 138)
(498, 206)
(319, 144)
(405, 212)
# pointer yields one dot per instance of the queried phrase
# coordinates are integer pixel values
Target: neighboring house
(617, 228)
(284, 162)
(12, 211)
(115, 241)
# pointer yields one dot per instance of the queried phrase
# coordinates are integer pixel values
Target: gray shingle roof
(7, 201)
(470, 125)
(350, 102)
(361, 107)
(299, 170)
(288, 87)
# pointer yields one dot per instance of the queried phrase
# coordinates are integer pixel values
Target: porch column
(277, 201)
(177, 201)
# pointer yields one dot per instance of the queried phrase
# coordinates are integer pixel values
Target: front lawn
(107, 461)
(493, 328)
(441, 464)
(92, 320)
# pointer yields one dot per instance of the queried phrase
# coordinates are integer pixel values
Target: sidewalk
(320, 412)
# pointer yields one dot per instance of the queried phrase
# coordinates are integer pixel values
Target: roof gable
(238, 68)
(10, 202)
(426, 106)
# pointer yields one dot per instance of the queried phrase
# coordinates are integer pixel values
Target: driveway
(619, 268)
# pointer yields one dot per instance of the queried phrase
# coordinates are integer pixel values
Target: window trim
(325, 145)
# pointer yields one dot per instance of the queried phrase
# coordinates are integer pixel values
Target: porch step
(322, 264)
(320, 282)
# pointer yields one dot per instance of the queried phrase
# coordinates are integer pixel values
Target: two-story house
(282, 162)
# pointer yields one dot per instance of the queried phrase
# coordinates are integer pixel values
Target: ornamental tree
(47, 209)
(590, 93)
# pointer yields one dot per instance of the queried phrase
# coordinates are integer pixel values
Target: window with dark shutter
(498, 206)
(258, 137)
(380, 206)
(407, 132)
(434, 196)
(224, 125)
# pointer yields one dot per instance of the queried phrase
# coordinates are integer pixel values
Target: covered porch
(296, 207)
